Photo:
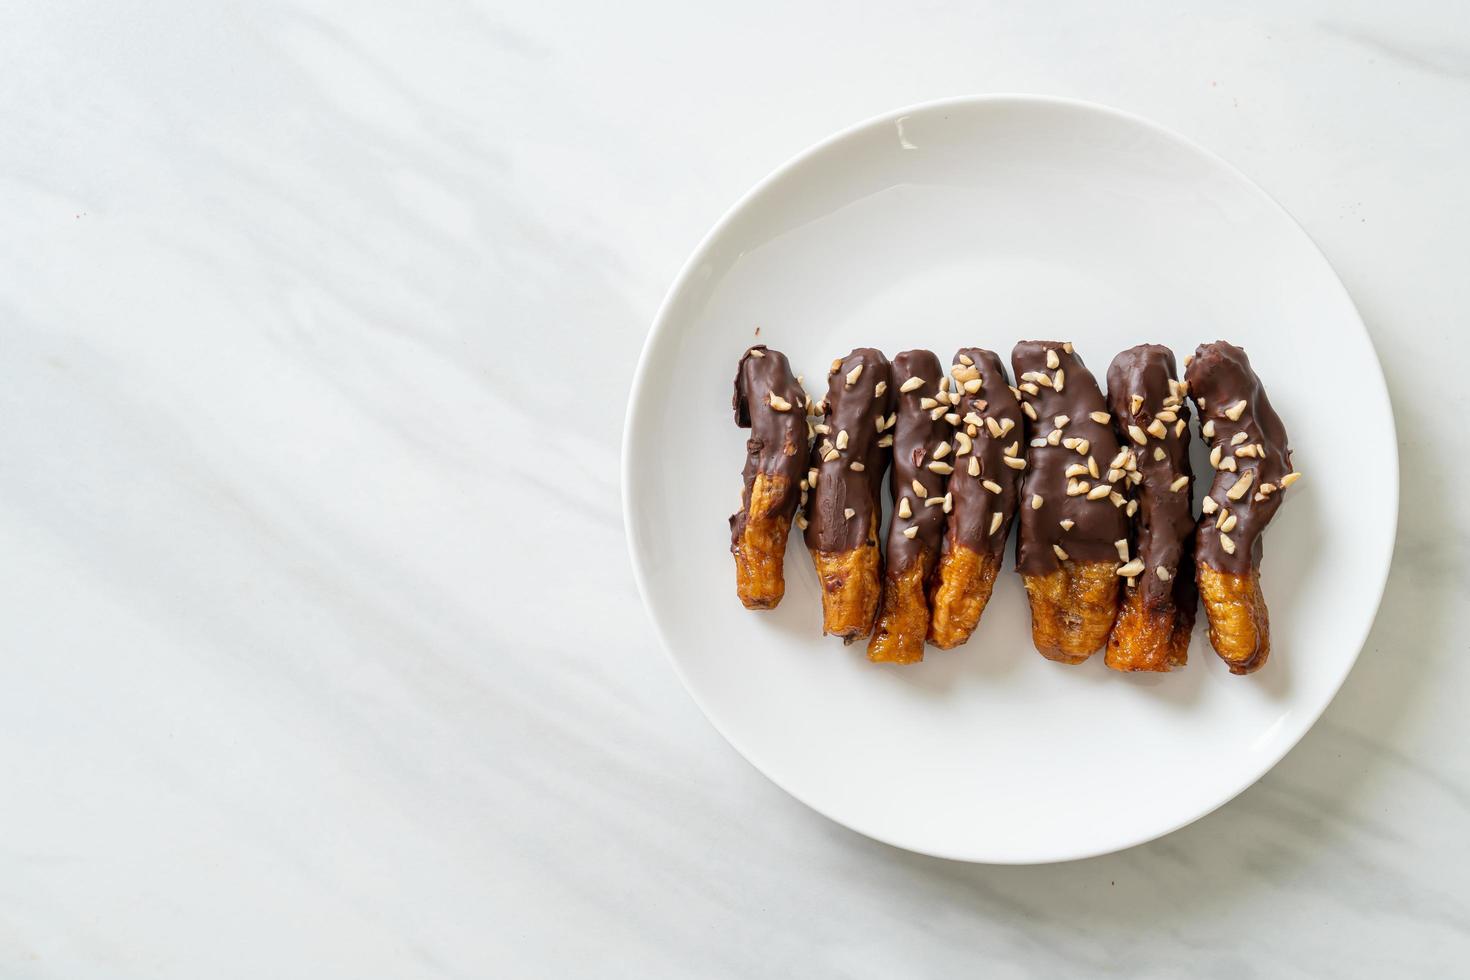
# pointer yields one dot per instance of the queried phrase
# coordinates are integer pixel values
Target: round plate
(983, 221)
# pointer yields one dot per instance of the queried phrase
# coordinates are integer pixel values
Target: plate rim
(661, 324)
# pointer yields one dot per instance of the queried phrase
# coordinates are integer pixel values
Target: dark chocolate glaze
(1097, 524)
(975, 506)
(1221, 376)
(1164, 524)
(777, 445)
(855, 409)
(915, 438)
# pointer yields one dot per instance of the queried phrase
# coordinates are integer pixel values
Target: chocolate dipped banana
(1072, 502)
(923, 459)
(1156, 617)
(1252, 463)
(849, 455)
(984, 488)
(771, 404)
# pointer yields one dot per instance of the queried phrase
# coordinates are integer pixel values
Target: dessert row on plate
(1109, 547)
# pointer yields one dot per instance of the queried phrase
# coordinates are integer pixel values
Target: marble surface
(322, 655)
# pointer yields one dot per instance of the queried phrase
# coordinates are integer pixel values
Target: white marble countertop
(322, 655)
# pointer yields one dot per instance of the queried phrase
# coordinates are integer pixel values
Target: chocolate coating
(1096, 524)
(855, 409)
(1164, 525)
(916, 435)
(974, 505)
(777, 445)
(1220, 377)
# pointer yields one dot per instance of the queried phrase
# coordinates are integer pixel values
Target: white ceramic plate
(982, 221)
